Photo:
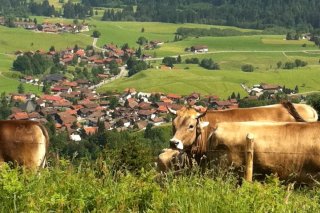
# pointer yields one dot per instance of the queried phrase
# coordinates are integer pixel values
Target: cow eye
(191, 127)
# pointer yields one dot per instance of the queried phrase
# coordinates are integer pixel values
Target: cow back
(292, 150)
(23, 142)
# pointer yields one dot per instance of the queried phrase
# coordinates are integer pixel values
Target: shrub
(209, 64)
(247, 68)
(192, 61)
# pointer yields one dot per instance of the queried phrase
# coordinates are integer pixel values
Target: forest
(255, 14)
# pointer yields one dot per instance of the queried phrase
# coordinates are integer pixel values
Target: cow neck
(196, 145)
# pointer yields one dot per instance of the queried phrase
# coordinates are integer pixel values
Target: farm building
(199, 49)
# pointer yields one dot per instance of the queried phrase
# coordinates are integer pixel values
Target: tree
(142, 29)
(238, 97)
(75, 48)
(35, 21)
(113, 102)
(314, 101)
(296, 89)
(209, 64)
(233, 95)
(125, 47)
(169, 61)
(46, 88)
(5, 110)
(279, 64)
(52, 49)
(179, 60)
(114, 68)
(96, 34)
(247, 68)
(142, 41)
(20, 88)
(139, 52)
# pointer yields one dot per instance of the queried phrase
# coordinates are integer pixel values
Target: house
(146, 114)
(156, 43)
(131, 103)
(19, 97)
(199, 49)
(271, 88)
(19, 116)
(51, 78)
(75, 137)
(90, 130)
(157, 121)
(29, 106)
(223, 105)
(174, 97)
(141, 124)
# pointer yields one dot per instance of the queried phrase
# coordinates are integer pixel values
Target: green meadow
(262, 51)
(218, 82)
(13, 39)
(234, 43)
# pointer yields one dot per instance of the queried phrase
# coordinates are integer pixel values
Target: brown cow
(192, 129)
(173, 159)
(290, 149)
(24, 143)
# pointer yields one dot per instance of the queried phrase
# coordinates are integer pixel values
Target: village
(47, 27)
(75, 106)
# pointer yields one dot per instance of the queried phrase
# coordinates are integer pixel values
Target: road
(94, 44)
(123, 73)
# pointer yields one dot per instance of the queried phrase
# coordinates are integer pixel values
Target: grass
(94, 188)
(13, 39)
(8, 80)
(220, 82)
(233, 43)
(262, 51)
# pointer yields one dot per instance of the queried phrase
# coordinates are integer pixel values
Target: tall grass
(93, 187)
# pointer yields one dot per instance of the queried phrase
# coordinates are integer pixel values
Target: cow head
(187, 126)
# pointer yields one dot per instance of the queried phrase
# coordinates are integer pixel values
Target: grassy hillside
(13, 39)
(95, 188)
(235, 43)
(9, 82)
(220, 82)
(262, 51)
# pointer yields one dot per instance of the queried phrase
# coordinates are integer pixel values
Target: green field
(13, 39)
(262, 51)
(220, 82)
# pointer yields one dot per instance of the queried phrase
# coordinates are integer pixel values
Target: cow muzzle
(176, 143)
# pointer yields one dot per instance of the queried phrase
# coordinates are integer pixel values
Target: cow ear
(204, 124)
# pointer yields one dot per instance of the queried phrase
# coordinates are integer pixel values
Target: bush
(209, 64)
(192, 61)
(247, 68)
(289, 65)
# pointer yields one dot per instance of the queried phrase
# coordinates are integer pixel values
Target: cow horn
(200, 115)
(174, 112)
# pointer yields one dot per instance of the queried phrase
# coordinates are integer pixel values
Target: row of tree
(258, 14)
(23, 8)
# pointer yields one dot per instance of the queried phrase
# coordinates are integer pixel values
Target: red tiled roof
(51, 98)
(173, 96)
(90, 130)
(70, 84)
(20, 116)
(162, 109)
(80, 52)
